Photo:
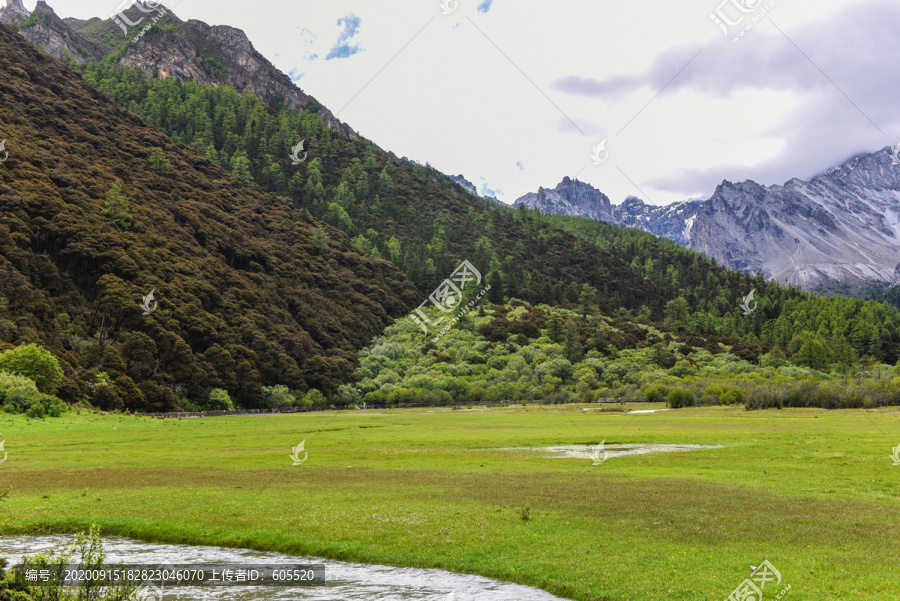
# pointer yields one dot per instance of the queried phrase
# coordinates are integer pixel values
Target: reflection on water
(345, 581)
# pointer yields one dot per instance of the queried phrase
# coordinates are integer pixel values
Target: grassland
(811, 490)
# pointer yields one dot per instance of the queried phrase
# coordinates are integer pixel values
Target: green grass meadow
(812, 491)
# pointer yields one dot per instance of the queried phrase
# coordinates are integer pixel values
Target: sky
(656, 99)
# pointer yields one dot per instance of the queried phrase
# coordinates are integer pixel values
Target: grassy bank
(811, 490)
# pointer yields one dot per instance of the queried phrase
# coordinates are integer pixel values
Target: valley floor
(812, 491)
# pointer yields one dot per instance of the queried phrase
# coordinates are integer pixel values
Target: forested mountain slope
(97, 209)
(417, 217)
(413, 215)
(709, 298)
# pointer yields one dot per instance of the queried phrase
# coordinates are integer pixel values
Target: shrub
(105, 397)
(375, 397)
(437, 397)
(159, 164)
(219, 400)
(708, 399)
(86, 551)
(732, 396)
(347, 394)
(561, 368)
(115, 209)
(315, 398)
(277, 396)
(683, 368)
(35, 363)
(679, 397)
(19, 394)
(13, 386)
(774, 358)
(559, 398)
(498, 362)
(651, 393)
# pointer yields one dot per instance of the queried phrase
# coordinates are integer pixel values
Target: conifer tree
(115, 208)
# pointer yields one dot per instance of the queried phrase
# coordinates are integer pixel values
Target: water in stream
(345, 581)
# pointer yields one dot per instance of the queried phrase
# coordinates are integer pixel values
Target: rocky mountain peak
(189, 50)
(874, 170)
(14, 12)
(47, 31)
(466, 184)
(839, 231)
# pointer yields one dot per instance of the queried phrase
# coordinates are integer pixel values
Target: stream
(344, 581)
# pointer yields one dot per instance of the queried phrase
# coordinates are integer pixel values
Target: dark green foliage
(705, 298)
(679, 397)
(246, 298)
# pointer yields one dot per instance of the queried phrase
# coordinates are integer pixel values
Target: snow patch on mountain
(838, 232)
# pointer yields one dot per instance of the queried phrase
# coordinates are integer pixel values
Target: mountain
(578, 199)
(417, 217)
(98, 208)
(254, 290)
(14, 12)
(466, 184)
(838, 232)
(190, 50)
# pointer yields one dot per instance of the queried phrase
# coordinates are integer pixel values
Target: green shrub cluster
(35, 363)
(552, 355)
(27, 374)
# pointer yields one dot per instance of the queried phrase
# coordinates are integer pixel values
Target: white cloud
(474, 92)
(343, 48)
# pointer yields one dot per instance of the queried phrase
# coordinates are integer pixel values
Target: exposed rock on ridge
(838, 232)
(189, 50)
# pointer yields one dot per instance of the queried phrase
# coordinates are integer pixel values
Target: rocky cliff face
(14, 12)
(839, 232)
(162, 45)
(572, 197)
(50, 33)
(466, 184)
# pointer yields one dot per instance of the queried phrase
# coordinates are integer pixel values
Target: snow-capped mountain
(838, 232)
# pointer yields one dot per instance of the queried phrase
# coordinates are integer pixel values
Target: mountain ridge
(228, 54)
(837, 232)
